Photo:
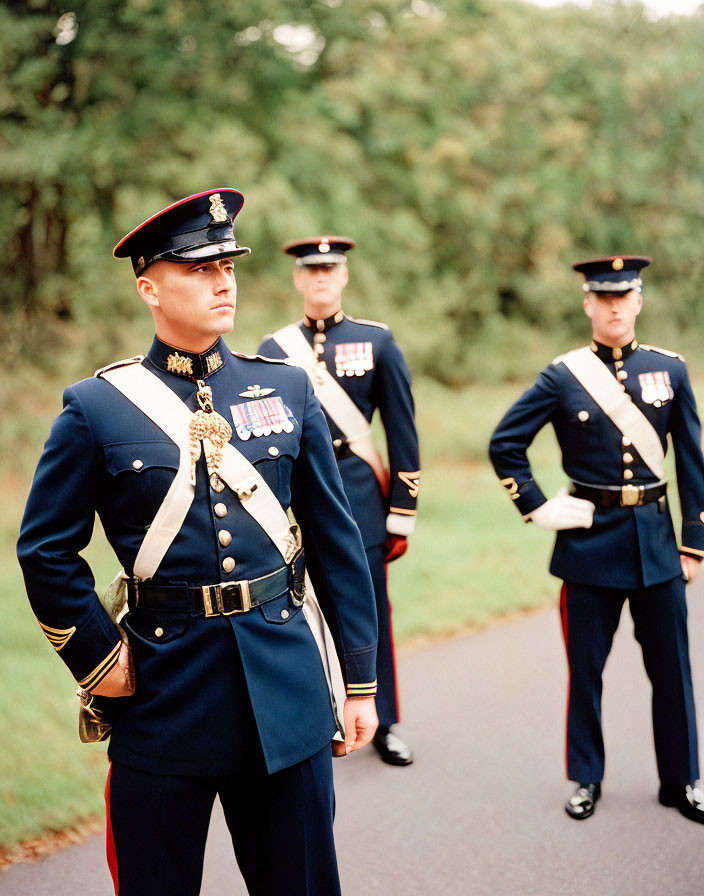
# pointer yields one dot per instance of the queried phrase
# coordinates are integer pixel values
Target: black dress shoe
(581, 803)
(689, 801)
(391, 748)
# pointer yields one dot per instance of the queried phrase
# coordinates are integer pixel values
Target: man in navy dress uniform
(216, 682)
(357, 367)
(612, 405)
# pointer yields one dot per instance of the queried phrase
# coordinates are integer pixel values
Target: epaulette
(136, 360)
(264, 358)
(369, 323)
(662, 351)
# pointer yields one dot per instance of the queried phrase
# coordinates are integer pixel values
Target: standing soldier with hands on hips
(356, 367)
(612, 405)
(222, 679)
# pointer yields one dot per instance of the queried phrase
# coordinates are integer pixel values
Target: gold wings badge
(256, 391)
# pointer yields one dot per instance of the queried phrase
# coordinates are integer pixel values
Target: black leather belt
(222, 599)
(619, 495)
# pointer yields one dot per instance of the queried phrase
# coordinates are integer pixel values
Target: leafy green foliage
(473, 149)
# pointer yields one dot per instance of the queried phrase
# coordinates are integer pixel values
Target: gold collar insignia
(212, 362)
(182, 364)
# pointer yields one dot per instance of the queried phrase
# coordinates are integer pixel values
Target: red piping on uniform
(109, 839)
(391, 640)
(565, 633)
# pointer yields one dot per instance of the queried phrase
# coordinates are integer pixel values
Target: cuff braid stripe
(363, 689)
(102, 669)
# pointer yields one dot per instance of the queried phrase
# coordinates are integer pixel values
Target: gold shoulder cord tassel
(208, 427)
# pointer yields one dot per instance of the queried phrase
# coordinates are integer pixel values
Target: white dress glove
(563, 512)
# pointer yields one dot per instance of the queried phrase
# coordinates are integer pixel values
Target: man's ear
(148, 291)
(345, 275)
(588, 310)
(298, 279)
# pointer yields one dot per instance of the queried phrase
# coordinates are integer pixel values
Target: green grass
(48, 779)
(472, 558)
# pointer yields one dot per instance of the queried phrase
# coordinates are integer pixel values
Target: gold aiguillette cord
(208, 427)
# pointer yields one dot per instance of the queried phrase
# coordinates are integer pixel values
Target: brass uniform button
(225, 538)
(617, 354)
(220, 510)
(285, 614)
(701, 517)
(583, 416)
(627, 458)
(628, 474)
(228, 564)
(319, 337)
(337, 443)
(622, 375)
(216, 483)
(159, 631)
(137, 464)
(626, 442)
(273, 451)
(618, 364)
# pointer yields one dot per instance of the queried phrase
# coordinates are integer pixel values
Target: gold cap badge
(324, 247)
(218, 212)
(617, 264)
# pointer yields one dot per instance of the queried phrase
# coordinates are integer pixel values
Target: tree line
(474, 150)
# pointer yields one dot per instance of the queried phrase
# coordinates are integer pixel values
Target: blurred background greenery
(474, 150)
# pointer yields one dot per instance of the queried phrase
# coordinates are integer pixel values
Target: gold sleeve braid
(102, 669)
(58, 637)
(363, 689)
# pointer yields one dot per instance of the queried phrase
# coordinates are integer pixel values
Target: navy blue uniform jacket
(386, 385)
(626, 547)
(209, 691)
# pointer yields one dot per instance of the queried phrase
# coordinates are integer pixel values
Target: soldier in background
(612, 405)
(357, 367)
(192, 457)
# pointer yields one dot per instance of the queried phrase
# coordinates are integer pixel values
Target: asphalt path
(480, 811)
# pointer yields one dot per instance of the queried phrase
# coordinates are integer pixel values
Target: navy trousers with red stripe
(590, 617)
(281, 828)
(387, 694)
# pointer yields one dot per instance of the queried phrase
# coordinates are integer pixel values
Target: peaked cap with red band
(197, 228)
(320, 249)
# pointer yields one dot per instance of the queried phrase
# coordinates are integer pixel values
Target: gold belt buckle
(632, 495)
(246, 598)
(211, 610)
(212, 599)
(244, 595)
